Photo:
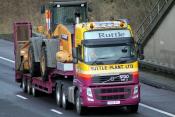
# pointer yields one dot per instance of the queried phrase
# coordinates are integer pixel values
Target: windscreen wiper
(126, 59)
(122, 60)
(95, 62)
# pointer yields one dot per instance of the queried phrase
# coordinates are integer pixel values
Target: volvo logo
(112, 78)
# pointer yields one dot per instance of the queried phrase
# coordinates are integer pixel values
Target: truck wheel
(29, 87)
(59, 95)
(24, 87)
(79, 108)
(65, 103)
(34, 68)
(43, 64)
(35, 92)
(132, 108)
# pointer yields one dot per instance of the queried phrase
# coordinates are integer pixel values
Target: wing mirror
(142, 57)
(124, 50)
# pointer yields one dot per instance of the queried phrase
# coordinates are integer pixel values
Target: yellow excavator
(59, 17)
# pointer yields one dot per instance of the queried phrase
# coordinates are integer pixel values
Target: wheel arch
(75, 91)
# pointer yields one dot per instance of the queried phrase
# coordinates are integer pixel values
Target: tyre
(43, 64)
(23, 85)
(79, 108)
(29, 87)
(132, 108)
(59, 94)
(35, 93)
(34, 68)
(65, 103)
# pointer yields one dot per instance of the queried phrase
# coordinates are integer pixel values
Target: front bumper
(111, 96)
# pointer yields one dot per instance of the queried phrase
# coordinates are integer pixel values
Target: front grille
(113, 93)
(112, 78)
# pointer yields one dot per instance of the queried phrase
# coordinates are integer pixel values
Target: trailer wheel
(59, 95)
(65, 103)
(79, 108)
(24, 87)
(34, 67)
(29, 87)
(43, 64)
(132, 108)
(35, 93)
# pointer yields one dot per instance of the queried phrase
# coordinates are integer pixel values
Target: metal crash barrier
(155, 66)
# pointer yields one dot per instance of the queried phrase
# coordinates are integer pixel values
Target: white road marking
(7, 59)
(56, 111)
(22, 97)
(157, 110)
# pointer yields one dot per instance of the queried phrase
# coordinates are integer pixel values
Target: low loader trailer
(86, 64)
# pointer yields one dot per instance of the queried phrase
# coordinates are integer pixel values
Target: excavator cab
(65, 13)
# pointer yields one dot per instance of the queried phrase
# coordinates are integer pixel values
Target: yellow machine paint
(65, 53)
(65, 47)
(107, 69)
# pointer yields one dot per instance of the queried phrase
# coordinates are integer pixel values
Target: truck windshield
(66, 15)
(108, 53)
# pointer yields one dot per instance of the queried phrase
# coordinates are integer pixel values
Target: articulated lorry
(86, 64)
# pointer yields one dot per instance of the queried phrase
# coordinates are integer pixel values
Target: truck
(84, 63)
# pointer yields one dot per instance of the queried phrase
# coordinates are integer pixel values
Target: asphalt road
(14, 103)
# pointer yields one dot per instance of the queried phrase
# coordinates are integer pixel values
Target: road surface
(14, 103)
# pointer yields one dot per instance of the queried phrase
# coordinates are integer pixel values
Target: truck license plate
(113, 102)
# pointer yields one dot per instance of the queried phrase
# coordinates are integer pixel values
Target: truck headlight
(89, 92)
(136, 89)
